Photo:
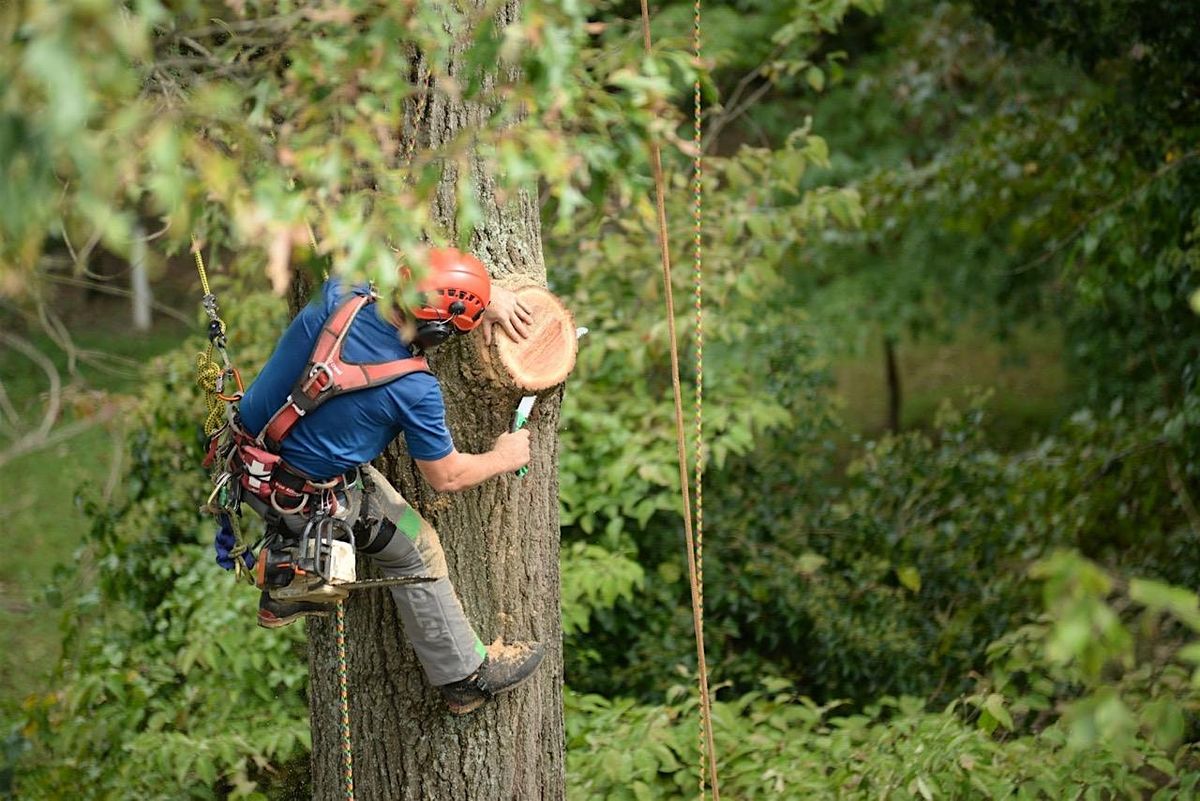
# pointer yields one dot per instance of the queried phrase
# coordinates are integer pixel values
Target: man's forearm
(475, 468)
(460, 471)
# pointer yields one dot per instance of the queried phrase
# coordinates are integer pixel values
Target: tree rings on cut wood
(543, 359)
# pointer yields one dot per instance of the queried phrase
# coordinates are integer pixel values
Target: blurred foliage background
(951, 376)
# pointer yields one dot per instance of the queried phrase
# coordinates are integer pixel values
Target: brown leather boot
(506, 666)
(273, 614)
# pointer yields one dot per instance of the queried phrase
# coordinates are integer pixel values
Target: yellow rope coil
(208, 373)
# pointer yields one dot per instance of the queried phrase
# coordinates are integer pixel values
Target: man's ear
(395, 316)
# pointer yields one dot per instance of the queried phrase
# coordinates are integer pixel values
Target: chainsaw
(319, 566)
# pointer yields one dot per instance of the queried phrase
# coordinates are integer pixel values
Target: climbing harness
(328, 375)
(694, 543)
(323, 560)
(320, 563)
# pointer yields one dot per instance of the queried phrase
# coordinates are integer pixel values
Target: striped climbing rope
(344, 697)
(706, 741)
(694, 545)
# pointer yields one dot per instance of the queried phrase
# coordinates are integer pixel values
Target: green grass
(44, 522)
(48, 525)
(1029, 383)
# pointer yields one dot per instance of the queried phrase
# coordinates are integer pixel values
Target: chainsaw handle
(519, 422)
(525, 408)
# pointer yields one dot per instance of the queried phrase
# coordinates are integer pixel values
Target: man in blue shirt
(325, 451)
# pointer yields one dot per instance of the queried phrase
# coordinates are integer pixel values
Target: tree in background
(1041, 173)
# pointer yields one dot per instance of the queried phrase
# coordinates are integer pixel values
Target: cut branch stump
(542, 360)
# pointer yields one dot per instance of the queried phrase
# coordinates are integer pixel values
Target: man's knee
(391, 547)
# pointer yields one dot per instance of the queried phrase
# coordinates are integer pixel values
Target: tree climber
(302, 463)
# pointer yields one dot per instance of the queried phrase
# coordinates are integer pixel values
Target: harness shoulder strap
(327, 374)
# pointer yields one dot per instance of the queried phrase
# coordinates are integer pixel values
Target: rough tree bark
(501, 540)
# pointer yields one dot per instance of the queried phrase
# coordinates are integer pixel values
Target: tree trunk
(501, 541)
(140, 282)
(892, 368)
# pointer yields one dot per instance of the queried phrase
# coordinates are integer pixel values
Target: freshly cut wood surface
(546, 357)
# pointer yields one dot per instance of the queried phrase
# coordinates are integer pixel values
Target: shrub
(166, 688)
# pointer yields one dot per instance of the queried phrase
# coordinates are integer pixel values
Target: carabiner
(293, 511)
(210, 506)
(237, 378)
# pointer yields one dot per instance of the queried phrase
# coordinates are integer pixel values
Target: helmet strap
(431, 333)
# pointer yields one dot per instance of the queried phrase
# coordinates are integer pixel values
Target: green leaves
(815, 78)
(1086, 632)
(61, 76)
(257, 120)
(1107, 676)
(773, 745)
(909, 577)
(593, 578)
(1159, 597)
(993, 705)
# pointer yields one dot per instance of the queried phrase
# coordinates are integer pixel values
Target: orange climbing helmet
(455, 291)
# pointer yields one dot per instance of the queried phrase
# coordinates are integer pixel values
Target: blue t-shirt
(354, 428)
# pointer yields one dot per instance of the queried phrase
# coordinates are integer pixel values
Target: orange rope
(693, 572)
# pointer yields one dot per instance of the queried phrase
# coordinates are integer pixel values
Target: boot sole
(275, 622)
(463, 711)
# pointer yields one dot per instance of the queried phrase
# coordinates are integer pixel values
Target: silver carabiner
(293, 511)
(210, 505)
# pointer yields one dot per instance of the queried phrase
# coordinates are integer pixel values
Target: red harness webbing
(327, 375)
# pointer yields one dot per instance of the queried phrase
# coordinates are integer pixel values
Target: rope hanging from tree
(706, 735)
(344, 698)
(695, 544)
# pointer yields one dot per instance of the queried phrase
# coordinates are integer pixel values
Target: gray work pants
(402, 543)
